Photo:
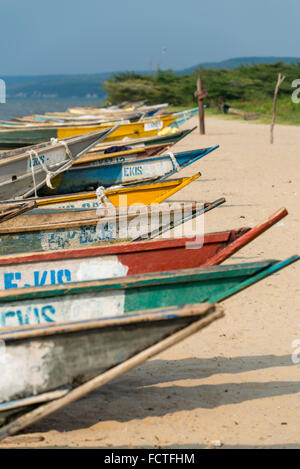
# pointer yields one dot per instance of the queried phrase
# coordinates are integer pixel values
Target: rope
(102, 199)
(33, 175)
(174, 161)
(49, 174)
(55, 141)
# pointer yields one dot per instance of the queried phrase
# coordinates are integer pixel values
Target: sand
(235, 381)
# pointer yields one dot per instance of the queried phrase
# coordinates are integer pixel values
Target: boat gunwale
(24, 152)
(150, 159)
(181, 134)
(28, 332)
(137, 281)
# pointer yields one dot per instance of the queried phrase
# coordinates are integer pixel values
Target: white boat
(25, 170)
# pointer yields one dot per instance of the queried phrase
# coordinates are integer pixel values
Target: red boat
(117, 260)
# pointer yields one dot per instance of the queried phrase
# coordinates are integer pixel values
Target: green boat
(118, 296)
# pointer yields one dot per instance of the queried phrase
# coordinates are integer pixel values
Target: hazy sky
(94, 36)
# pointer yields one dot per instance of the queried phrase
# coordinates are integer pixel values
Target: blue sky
(94, 36)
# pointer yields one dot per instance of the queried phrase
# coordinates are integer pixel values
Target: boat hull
(126, 259)
(145, 194)
(78, 358)
(96, 230)
(131, 130)
(112, 261)
(100, 157)
(114, 297)
(22, 172)
(32, 136)
(87, 177)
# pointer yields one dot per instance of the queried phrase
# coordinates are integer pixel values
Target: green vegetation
(248, 88)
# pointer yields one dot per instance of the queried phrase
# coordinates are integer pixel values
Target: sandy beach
(234, 382)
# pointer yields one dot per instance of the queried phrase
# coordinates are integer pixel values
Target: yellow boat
(120, 197)
(147, 128)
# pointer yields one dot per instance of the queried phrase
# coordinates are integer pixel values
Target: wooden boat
(84, 119)
(96, 114)
(87, 115)
(46, 268)
(80, 357)
(120, 156)
(91, 176)
(76, 301)
(112, 111)
(171, 138)
(146, 194)
(10, 210)
(23, 172)
(76, 229)
(127, 156)
(35, 135)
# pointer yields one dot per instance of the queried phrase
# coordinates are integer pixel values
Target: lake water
(24, 107)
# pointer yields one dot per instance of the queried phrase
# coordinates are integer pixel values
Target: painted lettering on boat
(132, 171)
(28, 315)
(90, 205)
(60, 272)
(153, 126)
(40, 278)
(36, 161)
(84, 235)
(62, 308)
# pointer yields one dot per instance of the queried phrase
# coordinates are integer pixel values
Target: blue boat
(90, 176)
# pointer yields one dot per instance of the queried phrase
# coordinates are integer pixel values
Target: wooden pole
(280, 79)
(200, 94)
